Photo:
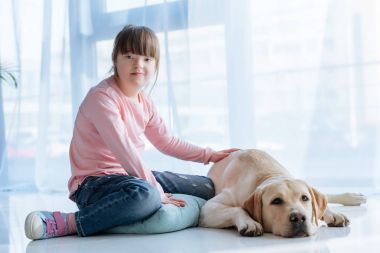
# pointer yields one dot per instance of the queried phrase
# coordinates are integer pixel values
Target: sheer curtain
(298, 79)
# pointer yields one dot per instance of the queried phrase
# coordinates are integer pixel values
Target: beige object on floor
(256, 194)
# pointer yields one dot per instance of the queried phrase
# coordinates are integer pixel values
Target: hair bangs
(138, 40)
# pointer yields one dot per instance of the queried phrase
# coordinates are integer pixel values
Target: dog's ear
(319, 204)
(253, 205)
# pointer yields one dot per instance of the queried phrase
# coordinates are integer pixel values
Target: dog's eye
(277, 201)
(305, 198)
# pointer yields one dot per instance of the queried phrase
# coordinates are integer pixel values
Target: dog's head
(288, 208)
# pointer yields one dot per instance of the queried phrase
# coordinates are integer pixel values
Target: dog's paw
(336, 219)
(250, 228)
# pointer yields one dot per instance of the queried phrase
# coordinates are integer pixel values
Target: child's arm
(160, 137)
(157, 133)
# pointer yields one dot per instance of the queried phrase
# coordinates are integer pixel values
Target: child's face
(135, 70)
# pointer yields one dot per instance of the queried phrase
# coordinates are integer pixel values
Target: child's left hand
(219, 155)
(174, 201)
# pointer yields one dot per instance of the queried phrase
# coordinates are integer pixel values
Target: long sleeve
(107, 120)
(160, 137)
(106, 138)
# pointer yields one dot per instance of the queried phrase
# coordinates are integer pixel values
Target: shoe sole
(33, 222)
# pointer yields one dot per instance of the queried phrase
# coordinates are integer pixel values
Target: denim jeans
(112, 200)
(199, 186)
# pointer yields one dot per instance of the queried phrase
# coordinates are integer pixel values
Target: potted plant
(7, 76)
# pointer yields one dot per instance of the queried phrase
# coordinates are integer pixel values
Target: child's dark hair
(139, 40)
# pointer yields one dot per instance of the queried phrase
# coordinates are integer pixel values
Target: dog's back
(245, 167)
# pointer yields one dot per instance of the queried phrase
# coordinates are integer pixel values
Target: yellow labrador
(256, 194)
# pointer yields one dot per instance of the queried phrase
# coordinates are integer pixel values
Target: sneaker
(43, 225)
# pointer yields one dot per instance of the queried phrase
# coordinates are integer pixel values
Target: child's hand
(219, 155)
(170, 200)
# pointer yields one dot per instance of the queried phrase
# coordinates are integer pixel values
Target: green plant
(7, 76)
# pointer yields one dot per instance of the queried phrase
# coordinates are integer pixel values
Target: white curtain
(299, 79)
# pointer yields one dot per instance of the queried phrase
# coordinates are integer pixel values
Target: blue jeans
(113, 200)
(199, 186)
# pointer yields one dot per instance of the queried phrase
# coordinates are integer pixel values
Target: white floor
(363, 235)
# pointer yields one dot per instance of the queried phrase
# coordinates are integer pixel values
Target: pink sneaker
(43, 225)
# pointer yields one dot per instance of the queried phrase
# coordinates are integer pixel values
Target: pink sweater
(108, 132)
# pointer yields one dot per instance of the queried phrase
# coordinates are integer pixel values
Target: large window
(298, 79)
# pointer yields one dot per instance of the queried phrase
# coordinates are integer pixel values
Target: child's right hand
(170, 200)
(219, 155)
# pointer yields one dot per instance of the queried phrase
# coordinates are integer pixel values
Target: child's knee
(152, 197)
(146, 197)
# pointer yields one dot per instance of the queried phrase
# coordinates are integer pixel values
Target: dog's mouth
(300, 233)
(297, 231)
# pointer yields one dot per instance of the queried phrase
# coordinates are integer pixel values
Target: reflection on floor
(363, 235)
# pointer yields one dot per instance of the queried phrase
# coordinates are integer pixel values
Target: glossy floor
(363, 235)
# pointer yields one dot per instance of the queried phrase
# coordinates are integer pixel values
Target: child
(110, 183)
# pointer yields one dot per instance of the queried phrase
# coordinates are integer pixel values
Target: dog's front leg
(334, 219)
(215, 214)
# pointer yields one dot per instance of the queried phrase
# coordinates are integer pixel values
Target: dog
(256, 194)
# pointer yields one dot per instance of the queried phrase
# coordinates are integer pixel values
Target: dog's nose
(297, 218)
